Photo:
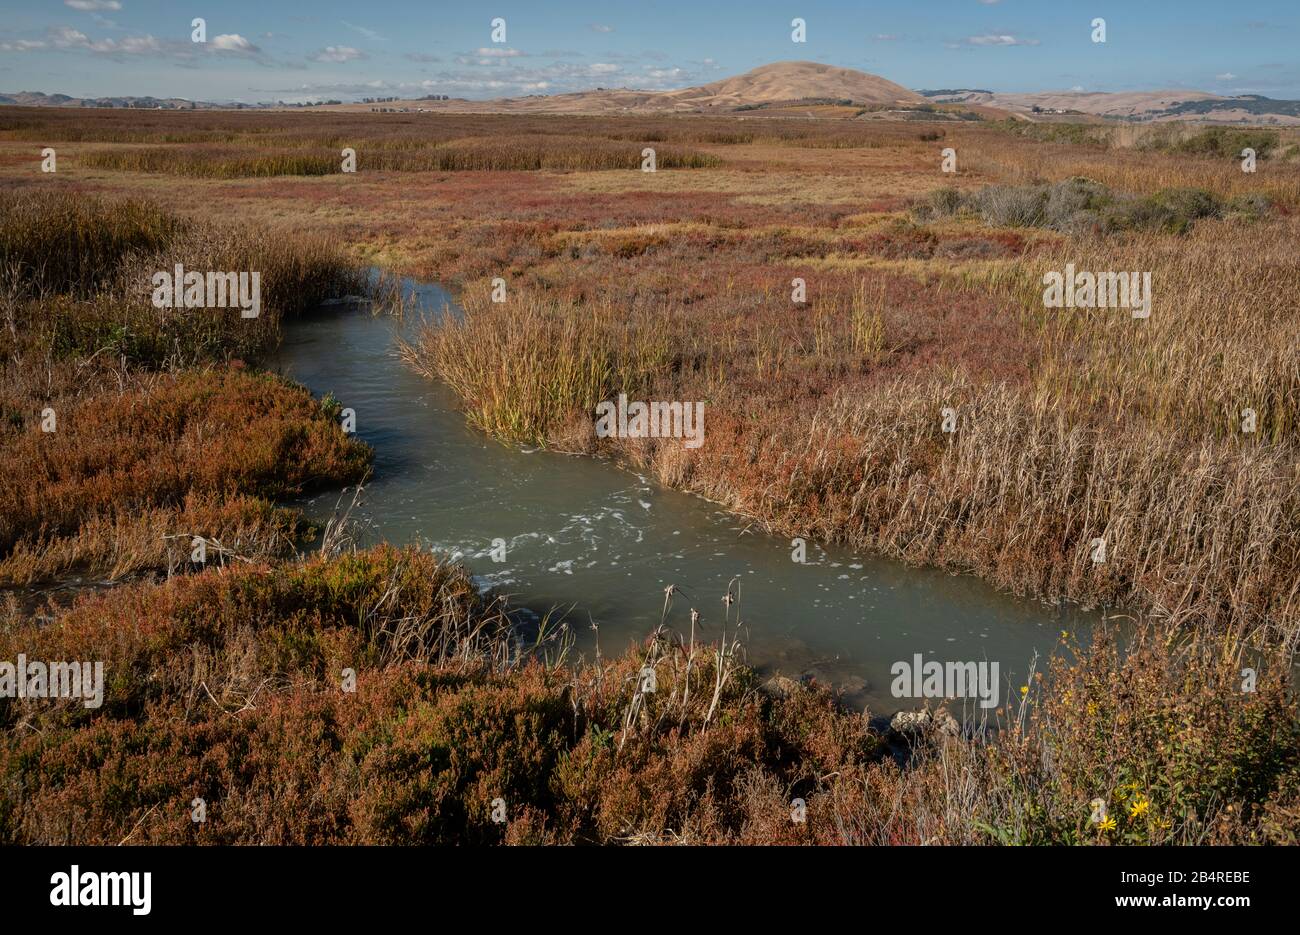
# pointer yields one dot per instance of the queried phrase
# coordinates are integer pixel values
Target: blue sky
(268, 50)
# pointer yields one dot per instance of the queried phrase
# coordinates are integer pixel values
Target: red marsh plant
(117, 449)
(174, 444)
(227, 686)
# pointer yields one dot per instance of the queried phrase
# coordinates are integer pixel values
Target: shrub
(1078, 204)
(944, 202)
(1172, 210)
(1079, 134)
(1012, 206)
(1227, 143)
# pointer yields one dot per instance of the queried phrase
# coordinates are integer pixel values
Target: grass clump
(525, 368)
(1081, 205)
(61, 243)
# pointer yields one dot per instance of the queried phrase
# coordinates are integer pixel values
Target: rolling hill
(778, 83)
(793, 88)
(1156, 106)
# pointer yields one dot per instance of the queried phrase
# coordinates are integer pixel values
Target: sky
(265, 50)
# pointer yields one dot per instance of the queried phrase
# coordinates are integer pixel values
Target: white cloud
(488, 56)
(338, 53)
(884, 37)
(232, 42)
(665, 74)
(65, 37)
(999, 39)
(132, 45)
(601, 27)
(186, 53)
(88, 5)
(1226, 76)
(501, 79)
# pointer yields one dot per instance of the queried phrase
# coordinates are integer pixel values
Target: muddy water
(603, 543)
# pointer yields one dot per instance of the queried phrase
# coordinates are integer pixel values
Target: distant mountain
(769, 86)
(39, 99)
(1242, 103)
(789, 88)
(794, 81)
(1158, 106)
(953, 92)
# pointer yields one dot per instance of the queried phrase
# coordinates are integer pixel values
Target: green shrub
(1227, 143)
(1013, 206)
(1080, 204)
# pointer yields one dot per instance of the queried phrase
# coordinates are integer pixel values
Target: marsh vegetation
(923, 293)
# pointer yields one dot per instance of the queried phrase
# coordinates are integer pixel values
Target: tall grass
(64, 243)
(212, 163)
(1218, 340)
(827, 424)
(565, 154)
(77, 274)
(365, 131)
(524, 365)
